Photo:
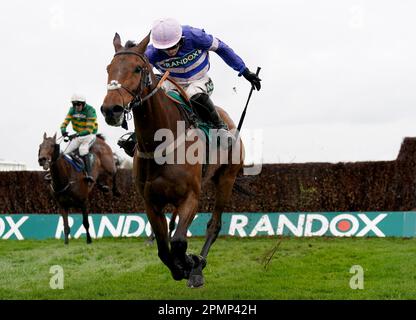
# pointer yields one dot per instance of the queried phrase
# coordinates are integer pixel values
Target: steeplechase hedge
(311, 187)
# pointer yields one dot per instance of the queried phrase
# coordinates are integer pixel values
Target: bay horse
(68, 185)
(132, 86)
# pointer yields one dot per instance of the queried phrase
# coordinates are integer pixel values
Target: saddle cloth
(189, 114)
(75, 162)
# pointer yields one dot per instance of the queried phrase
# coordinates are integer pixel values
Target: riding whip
(243, 115)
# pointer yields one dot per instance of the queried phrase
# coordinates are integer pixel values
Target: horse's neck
(59, 171)
(156, 113)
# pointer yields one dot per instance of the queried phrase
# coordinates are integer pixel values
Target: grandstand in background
(11, 166)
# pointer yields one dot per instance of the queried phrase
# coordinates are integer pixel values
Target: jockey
(84, 122)
(184, 51)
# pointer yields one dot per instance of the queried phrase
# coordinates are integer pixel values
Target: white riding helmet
(78, 97)
(166, 33)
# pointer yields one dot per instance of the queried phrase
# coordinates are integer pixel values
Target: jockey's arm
(227, 54)
(208, 42)
(66, 122)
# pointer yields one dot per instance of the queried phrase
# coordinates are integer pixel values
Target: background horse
(132, 85)
(68, 185)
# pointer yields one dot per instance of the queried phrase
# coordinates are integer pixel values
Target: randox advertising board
(332, 224)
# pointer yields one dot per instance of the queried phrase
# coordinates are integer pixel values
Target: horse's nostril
(118, 109)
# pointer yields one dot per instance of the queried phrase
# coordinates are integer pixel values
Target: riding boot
(207, 111)
(88, 159)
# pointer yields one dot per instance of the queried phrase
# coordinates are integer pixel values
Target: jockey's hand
(252, 78)
(73, 136)
(65, 134)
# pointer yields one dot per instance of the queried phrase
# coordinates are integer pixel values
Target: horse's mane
(130, 44)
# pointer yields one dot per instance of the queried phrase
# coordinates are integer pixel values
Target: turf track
(301, 268)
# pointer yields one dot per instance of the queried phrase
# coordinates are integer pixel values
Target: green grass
(301, 268)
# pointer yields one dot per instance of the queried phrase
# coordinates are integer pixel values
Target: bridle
(145, 82)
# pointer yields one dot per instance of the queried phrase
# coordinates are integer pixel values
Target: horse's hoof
(177, 276)
(196, 281)
(89, 241)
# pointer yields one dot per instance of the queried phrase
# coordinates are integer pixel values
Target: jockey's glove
(252, 78)
(64, 134)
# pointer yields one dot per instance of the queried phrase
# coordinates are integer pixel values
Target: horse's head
(129, 75)
(47, 151)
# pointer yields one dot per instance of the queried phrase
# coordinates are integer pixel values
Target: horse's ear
(117, 42)
(54, 137)
(44, 136)
(141, 47)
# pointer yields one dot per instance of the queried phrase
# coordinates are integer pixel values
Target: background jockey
(84, 122)
(184, 51)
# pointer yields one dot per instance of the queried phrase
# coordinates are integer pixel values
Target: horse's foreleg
(159, 226)
(67, 229)
(86, 223)
(178, 243)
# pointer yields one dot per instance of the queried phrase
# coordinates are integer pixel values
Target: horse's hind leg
(86, 223)
(67, 229)
(224, 187)
(151, 239)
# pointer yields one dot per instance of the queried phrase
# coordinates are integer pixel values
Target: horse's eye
(138, 69)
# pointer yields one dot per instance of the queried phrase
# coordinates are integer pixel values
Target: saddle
(75, 160)
(190, 116)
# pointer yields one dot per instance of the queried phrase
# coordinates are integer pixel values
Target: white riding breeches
(204, 85)
(83, 144)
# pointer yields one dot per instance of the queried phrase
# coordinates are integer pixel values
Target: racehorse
(68, 184)
(132, 86)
